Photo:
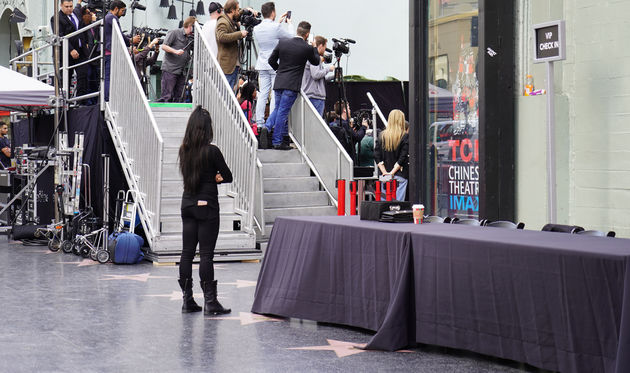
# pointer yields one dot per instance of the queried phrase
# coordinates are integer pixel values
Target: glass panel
(453, 117)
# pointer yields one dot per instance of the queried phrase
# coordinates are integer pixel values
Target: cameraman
(267, 35)
(228, 34)
(145, 58)
(347, 131)
(288, 59)
(117, 9)
(177, 47)
(209, 30)
(314, 80)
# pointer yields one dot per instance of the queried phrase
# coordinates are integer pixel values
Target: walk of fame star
(246, 318)
(177, 295)
(143, 277)
(240, 283)
(83, 263)
(342, 349)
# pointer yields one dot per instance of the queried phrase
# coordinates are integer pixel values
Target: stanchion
(341, 197)
(388, 192)
(394, 189)
(377, 192)
(353, 198)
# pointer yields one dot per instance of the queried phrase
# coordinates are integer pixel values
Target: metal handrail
(232, 132)
(316, 142)
(65, 68)
(136, 136)
(378, 109)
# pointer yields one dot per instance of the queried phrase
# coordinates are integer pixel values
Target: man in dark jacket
(69, 22)
(293, 54)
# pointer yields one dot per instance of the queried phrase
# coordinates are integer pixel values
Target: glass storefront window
(453, 117)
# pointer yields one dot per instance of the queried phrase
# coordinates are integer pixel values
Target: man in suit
(69, 22)
(292, 55)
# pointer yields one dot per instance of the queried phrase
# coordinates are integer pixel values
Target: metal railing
(232, 132)
(378, 109)
(43, 69)
(319, 147)
(136, 136)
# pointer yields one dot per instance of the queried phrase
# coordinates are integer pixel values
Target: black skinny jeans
(198, 231)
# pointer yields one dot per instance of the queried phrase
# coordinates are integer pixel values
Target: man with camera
(347, 130)
(288, 59)
(117, 9)
(228, 34)
(145, 57)
(267, 34)
(177, 46)
(209, 28)
(314, 80)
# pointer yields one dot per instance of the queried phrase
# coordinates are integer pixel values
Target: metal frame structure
(136, 137)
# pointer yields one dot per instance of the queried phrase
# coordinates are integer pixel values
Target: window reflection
(453, 118)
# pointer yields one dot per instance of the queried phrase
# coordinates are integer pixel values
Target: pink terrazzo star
(83, 263)
(143, 277)
(240, 283)
(177, 295)
(342, 349)
(246, 318)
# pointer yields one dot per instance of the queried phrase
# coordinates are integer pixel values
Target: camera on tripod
(249, 20)
(135, 4)
(328, 57)
(361, 115)
(342, 46)
(99, 7)
(149, 34)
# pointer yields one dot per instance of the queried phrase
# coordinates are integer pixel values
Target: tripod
(246, 59)
(189, 71)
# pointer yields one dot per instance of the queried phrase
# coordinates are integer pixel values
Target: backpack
(126, 248)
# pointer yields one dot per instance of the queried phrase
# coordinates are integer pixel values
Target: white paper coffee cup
(418, 213)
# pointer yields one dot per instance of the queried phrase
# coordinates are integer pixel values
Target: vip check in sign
(550, 42)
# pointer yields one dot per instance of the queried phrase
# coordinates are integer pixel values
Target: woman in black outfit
(392, 152)
(202, 167)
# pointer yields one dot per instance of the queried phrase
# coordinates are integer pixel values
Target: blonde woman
(392, 152)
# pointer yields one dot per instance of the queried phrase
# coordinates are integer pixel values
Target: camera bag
(402, 216)
(372, 210)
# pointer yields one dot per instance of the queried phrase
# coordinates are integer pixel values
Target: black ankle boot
(189, 301)
(212, 305)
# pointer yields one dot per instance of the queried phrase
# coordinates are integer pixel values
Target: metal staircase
(147, 141)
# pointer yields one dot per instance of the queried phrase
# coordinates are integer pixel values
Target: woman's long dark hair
(193, 152)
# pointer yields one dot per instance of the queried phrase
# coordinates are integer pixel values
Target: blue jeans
(401, 188)
(233, 78)
(265, 81)
(319, 105)
(279, 119)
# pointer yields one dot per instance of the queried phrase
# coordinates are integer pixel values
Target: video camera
(149, 34)
(328, 56)
(360, 115)
(249, 20)
(99, 7)
(341, 46)
(135, 4)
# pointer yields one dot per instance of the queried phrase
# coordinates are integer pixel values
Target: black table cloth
(553, 300)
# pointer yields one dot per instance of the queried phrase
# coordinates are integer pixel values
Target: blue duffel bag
(126, 248)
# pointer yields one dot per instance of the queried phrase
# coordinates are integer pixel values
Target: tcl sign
(549, 42)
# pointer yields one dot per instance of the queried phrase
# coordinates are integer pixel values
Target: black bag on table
(402, 216)
(372, 210)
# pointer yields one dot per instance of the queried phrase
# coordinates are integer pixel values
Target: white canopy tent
(22, 93)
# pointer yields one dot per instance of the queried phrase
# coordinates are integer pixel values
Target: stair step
(297, 199)
(275, 170)
(291, 184)
(170, 171)
(172, 205)
(272, 214)
(173, 223)
(226, 240)
(279, 156)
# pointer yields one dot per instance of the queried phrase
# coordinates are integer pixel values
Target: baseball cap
(214, 6)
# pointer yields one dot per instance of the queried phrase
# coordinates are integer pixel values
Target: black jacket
(66, 27)
(293, 54)
(207, 189)
(389, 158)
